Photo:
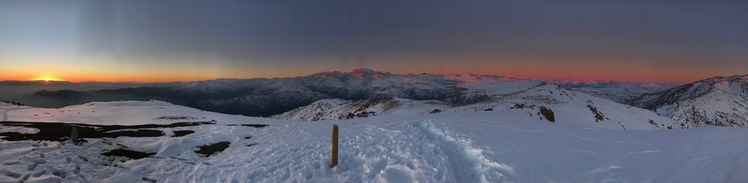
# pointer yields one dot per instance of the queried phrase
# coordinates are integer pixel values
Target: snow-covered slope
(580, 108)
(618, 92)
(491, 85)
(6, 107)
(338, 109)
(545, 102)
(122, 113)
(473, 146)
(718, 101)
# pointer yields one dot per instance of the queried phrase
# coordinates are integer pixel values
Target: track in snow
(461, 154)
(5, 112)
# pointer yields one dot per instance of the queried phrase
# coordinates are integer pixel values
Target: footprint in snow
(59, 173)
(10, 174)
(396, 174)
(308, 173)
(11, 162)
(39, 173)
(39, 161)
(148, 179)
(377, 167)
(31, 166)
(24, 178)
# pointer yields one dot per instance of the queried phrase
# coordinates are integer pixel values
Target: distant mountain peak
(717, 79)
(362, 70)
(367, 73)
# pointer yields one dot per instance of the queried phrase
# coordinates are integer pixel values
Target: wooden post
(334, 160)
(74, 134)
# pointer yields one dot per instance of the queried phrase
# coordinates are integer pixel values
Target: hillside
(545, 102)
(718, 101)
(615, 91)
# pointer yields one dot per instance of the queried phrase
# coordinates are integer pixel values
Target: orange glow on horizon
(551, 69)
(101, 76)
(544, 74)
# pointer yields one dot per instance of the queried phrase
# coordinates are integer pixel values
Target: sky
(153, 41)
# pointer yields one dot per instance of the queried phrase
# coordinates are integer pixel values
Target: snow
(122, 113)
(338, 109)
(569, 107)
(718, 101)
(734, 85)
(5, 105)
(541, 153)
(18, 129)
(493, 85)
(619, 92)
(666, 110)
(472, 146)
(697, 89)
(719, 107)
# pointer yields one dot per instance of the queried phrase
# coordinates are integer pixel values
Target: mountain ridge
(268, 96)
(545, 102)
(716, 101)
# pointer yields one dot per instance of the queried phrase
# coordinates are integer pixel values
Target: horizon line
(497, 75)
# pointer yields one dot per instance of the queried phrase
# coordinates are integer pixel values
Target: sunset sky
(147, 41)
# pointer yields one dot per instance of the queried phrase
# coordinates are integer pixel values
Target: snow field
(495, 146)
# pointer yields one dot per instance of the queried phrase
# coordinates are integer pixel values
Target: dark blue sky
(661, 41)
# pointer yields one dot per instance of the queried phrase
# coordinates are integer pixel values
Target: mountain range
(718, 101)
(270, 96)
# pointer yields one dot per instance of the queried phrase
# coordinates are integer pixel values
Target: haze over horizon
(57, 80)
(158, 41)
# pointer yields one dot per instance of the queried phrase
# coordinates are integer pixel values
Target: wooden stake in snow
(334, 160)
(74, 135)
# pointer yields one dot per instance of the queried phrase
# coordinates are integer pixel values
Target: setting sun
(46, 78)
